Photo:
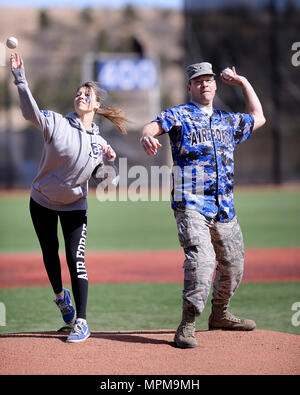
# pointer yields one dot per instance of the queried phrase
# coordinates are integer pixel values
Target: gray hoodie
(70, 154)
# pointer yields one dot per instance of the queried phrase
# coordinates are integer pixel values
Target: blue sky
(176, 4)
(91, 3)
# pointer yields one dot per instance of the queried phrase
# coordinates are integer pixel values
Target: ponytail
(114, 115)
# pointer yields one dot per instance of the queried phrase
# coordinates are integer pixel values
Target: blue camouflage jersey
(202, 150)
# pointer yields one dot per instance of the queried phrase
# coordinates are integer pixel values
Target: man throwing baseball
(203, 140)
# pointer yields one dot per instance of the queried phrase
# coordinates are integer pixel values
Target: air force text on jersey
(202, 135)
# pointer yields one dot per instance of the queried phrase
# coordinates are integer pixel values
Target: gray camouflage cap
(196, 69)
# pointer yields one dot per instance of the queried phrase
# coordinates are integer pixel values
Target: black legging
(73, 225)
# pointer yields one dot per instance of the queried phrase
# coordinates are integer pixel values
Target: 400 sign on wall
(127, 74)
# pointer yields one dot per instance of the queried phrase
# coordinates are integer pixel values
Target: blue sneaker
(80, 332)
(66, 307)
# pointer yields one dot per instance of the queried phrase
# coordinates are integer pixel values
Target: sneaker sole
(79, 340)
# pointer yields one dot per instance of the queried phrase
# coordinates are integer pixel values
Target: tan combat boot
(185, 334)
(223, 319)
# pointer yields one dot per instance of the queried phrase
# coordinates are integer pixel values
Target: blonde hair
(114, 115)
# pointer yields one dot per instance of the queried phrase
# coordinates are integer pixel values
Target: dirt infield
(17, 270)
(149, 352)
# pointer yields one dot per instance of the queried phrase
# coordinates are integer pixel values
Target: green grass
(269, 218)
(146, 306)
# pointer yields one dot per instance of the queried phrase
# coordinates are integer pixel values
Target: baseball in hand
(12, 42)
(227, 73)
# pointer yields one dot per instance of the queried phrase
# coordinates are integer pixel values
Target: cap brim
(200, 73)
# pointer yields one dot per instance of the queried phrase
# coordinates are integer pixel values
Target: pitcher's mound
(151, 353)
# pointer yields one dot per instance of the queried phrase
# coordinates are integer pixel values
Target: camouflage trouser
(204, 241)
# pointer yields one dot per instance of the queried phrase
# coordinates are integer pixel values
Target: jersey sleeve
(168, 119)
(242, 127)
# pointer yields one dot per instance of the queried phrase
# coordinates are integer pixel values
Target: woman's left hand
(109, 153)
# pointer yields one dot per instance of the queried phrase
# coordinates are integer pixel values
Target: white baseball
(227, 73)
(12, 42)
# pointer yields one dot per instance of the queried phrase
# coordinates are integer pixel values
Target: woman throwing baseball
(73, 151)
